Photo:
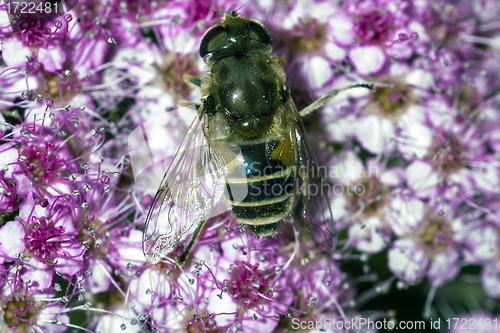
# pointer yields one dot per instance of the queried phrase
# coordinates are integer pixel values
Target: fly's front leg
(191, 79)
(194, 81)
(322, 100)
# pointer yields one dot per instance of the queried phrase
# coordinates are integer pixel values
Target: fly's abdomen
(270, 190)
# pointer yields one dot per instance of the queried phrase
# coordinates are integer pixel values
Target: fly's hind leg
(183, 257)
(322, 100)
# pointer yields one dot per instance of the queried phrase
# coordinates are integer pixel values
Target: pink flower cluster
(414, 167)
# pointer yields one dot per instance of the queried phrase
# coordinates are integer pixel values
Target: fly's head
(235, 35)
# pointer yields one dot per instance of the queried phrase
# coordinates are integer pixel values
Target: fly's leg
(322, 100)
(195, 81)
(182, 259)
(188, 78)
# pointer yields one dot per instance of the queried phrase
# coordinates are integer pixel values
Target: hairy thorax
(247, 90)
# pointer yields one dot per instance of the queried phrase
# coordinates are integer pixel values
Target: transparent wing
(193, 184)
(312, 205)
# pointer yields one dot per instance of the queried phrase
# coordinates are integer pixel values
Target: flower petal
(404, 215)
(39, 275)
(15, 53)
(422, 178)
(491, 279)
(52, 58)
(11, 240)
(225, 306)
(367, 59)
(368, 236)
(99, 281)
(444, 267)
(480, 244)
(375, 134)
(406, 260)
(341, 28)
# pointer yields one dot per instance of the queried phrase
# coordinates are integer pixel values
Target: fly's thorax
(251, 127)
(247, 89)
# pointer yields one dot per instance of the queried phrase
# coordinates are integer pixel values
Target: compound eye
(213, 39)
(259, 33)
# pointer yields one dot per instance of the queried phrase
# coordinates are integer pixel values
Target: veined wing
(312, 205)
(193, 184)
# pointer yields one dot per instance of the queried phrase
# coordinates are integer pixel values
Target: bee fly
(248, 136)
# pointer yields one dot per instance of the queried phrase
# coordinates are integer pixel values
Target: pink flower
(52, 240)
(373, 32)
